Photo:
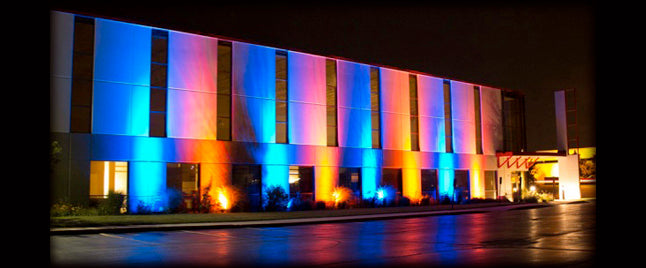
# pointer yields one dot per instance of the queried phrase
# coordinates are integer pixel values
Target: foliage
(206, 203)
(113, 205)
(341, 195)
(275, 199)
(63, 208)
(175, 201)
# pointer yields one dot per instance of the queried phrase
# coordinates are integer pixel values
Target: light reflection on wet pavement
(557, 235)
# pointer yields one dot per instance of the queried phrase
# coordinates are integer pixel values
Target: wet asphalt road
(551, 236)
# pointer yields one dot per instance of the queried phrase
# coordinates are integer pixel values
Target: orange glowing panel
(412, 183)
(395, 109)
(326, 179)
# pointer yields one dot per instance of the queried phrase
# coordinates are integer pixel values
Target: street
(562, 234)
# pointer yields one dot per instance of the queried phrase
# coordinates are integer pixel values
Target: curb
(279, 222)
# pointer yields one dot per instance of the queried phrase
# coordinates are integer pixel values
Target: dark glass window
(281, 98)
(392, 177)
(351, 178)
(248, 179)
(513, 114)
(331, 110)
(184, 178)
(461, 185)
(374, 108)
(478, 118)
(414, 115)
(224, 91)
(82, 75)
(301, 183)
(429, 183)
(158, 82)
(448, 126)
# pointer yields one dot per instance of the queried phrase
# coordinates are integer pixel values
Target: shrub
(275, 199)
(113, 205)
(175, 201)
(404, 201)
(62, 208)
(320, 205)
(341, 196)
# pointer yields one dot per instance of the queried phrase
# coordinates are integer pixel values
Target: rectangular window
(301, 183)
(461, 185)
(281, 98)
(478, 123)
(331, 110)
(224, 91)
(414, 114)
(106, 176)
(351, 178)
(82, 75)
(248, 179)
(392, 177)
(185, 180)
(513, 121)
(429, 183)
(374, 107)
(448, 127)
(158, 80)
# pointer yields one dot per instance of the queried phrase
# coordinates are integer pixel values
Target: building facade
(141, 110)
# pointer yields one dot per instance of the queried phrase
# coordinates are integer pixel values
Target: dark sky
(535, 49)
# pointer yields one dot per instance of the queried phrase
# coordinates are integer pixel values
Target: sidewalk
(283, 222)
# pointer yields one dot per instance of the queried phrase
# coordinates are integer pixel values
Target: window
(247, 178)
(461, 185)
(281, 98)
(374, 107)
(392, 177)
(414, 114)
(331, 110)
(429, 183)
(448, 127)
(106, 176)
(301, 183)
(158, 80)
(478, 123)
(351, 178)
(82, 75)
(513, 121)
(185, 179)
(224, 91)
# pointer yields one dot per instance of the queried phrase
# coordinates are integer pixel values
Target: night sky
(535, 49)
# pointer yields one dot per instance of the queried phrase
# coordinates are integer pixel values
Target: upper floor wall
(121, 94)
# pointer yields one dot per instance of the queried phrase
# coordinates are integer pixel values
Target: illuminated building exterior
(141, 110)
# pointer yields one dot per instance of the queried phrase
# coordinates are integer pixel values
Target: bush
(404, 201)
(320, 205)
(175, 201)
(275, 199)
(113, 205)
(62, 208)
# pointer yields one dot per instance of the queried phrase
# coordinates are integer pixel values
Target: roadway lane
(557, 235)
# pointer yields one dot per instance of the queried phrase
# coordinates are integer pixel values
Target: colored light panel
(120, 109)
(306, 95)
(395, 109)
(122, 52)
(192, 62)
(491, 120)
(147, 186)
(191, 114)
(431, 114)
(462, 112)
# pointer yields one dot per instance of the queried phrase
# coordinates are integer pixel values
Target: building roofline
(197, 32)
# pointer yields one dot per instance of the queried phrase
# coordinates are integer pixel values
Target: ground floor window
(183, 183)
(351, 178)
(490, 185)
(106, 176)
(301, 183)
(461, 185)
(392, 177)
(429, 183)
(247, 178)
